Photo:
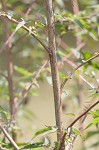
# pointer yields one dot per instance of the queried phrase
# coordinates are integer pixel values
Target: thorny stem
(54, 68)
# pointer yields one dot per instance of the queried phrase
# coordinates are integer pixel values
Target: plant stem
(9, 137)
(54, 68)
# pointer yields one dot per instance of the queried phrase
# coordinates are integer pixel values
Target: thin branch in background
(25, 92)
(9, 137)
(11, 36)
(77, 119)
(30, 8)
(7, 42)
(78, 67)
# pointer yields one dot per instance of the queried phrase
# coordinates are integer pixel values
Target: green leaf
(4, 114)
(57, 144)
(94, 122)
(78, 22)
(46, 130)
(23, 71)
(86, 55)
(63, 76)
(70, 114)
(95, 113)
(96, 144)
(77, 132)
(46, 143)
(39, 24)
(91, 134)
(34, 145)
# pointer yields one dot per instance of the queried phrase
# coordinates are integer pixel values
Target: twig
(25, 93)
(9, 137)
(71, 125)
(30, 8)
(86, 61)
(83, 114)
(27, 29)
(78, 67)
(73, 65)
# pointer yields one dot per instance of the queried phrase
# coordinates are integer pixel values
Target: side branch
(27, 29)
(78, 67)
(83, 114)
(77, 119)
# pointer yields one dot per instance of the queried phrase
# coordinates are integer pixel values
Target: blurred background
(76, 40)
